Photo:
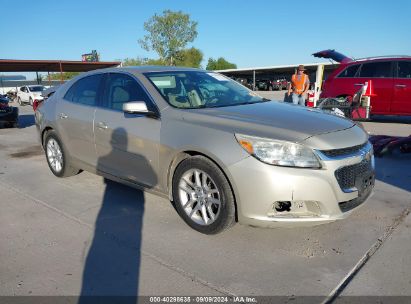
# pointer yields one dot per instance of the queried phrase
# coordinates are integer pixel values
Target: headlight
(279, 153)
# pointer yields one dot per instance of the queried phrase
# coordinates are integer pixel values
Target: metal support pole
(318, 83)
(37, 78)
(2, 84)
(61, 72)
(48, 76)
(254, 80)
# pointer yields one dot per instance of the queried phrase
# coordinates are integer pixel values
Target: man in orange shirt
(299, 86)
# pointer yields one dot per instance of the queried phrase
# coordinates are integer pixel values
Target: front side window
(404, 69)
(349, 72)
(376, 70)
(85, 90)
(195, 89)
(121, 88)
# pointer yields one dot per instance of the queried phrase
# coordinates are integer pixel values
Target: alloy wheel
(199, 197)
(54, 155)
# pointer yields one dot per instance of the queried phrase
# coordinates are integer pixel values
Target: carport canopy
(11, 65)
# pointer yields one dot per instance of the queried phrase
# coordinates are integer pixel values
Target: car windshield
(37, 89)
(196, 89)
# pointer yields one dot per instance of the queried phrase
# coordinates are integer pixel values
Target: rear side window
(404, 69)
(121, 88)
(85, 90)
(349, 72)
(376, 70)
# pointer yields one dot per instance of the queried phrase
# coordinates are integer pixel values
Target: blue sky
(248, 33)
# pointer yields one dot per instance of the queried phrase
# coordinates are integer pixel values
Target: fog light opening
(282, 206)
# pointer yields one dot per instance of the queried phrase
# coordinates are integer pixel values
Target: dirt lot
(85, 236)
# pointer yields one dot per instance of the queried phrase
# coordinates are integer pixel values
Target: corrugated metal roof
(12, 65)
(275, 67)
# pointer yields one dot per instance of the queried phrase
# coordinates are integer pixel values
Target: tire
(55, 154)
(196, 204)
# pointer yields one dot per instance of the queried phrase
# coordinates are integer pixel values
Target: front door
(75, 116)
(24, 96)
(127, 145)
(401, 103)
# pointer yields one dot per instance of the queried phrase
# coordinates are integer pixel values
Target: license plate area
(364, 183)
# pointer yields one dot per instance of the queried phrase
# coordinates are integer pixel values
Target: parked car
(264, 85)
(9, 116)
(280, 83)
(217, 150)
(269, 85)
(390, 76)
(245, 82)
(27, 94)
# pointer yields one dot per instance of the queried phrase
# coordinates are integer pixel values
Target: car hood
(269, 119)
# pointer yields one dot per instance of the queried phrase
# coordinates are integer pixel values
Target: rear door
(401, 102)
(126, 144)
(381, 74)
(75, 116)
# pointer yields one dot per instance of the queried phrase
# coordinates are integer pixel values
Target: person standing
(299, 86)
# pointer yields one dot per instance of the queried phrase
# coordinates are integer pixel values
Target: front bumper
(315, 195)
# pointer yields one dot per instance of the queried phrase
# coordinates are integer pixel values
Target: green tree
(134, 61)
(189, 58)
(168, 34)
(66, 76)
(220, 64)
(142, 61)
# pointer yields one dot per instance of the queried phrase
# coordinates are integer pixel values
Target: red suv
(390, 75)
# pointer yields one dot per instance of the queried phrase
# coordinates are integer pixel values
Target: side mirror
(137, 107)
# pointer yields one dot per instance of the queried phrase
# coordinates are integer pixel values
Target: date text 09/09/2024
(200, 299)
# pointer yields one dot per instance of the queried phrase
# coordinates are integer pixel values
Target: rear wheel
(202, 196)
(57, 158)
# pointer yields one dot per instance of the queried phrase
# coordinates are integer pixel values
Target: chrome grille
(346, 176)
(343, 151)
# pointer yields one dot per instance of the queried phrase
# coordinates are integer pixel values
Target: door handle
(102, 125)
(358, 84)
(400, 85)
(63, 116)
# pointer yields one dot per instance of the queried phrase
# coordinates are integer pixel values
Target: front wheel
(202, 196)
(57, 158)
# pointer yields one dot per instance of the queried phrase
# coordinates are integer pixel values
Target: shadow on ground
(112, 266)
(394, 169)
(26, 120)
(394, 119)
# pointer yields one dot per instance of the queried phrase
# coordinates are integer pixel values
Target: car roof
(381, 58)
(145, 69)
